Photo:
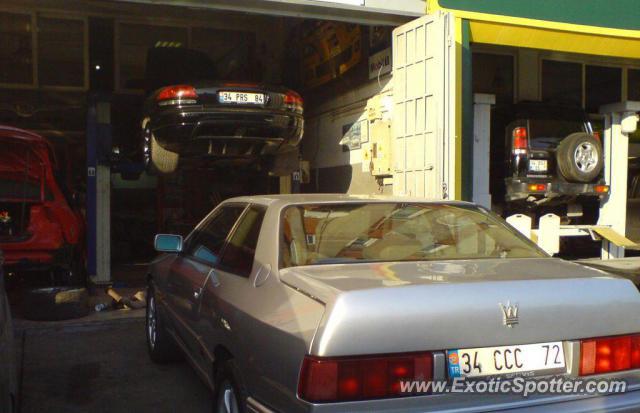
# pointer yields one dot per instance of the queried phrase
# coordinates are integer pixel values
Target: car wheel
(55, 303)
(230, 396)
(155, 157)
(161, 346)
(579, 158)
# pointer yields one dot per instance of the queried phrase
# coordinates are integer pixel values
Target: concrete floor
(101, 366)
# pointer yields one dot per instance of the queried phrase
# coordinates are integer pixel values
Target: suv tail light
(520, 142)
(596, 135)
(361, 378)
(178, 94)
(609, 354)
(293, 101)
(537, 187)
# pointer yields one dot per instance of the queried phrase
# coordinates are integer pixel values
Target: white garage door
(424, 107)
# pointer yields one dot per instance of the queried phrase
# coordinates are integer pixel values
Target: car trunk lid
(416, 306)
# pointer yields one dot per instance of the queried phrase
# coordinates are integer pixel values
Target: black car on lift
(545, 157)
(189, 114)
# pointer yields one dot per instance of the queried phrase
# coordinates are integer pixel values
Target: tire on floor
(55, 303)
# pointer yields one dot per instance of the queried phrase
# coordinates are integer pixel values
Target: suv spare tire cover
(580, 158)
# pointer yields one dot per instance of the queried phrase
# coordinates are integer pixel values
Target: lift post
(99, 189)
(620, 120)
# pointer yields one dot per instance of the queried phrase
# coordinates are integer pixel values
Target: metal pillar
(99, 190)
(482, 148)
(620, 121)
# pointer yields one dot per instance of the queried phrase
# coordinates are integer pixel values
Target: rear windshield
(547, 133)
(548, 125)
(352, 232)
(17, 190)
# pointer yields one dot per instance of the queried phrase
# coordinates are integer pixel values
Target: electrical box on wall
(380, 137)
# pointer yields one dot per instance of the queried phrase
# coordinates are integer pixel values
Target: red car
(39, 228)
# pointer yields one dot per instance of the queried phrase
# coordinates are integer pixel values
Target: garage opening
(546, 134)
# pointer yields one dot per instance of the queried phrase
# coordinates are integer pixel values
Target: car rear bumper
(520, 189)
(622, 402)
(176, 127)
(23, 258)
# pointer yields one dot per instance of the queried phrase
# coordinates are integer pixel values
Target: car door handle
(214, 278)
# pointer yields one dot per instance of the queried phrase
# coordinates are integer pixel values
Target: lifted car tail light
(609, 354)
(520, 141)
(361, 378)
(602, 189)
(178, 94)
(293, 101)
(537, 187)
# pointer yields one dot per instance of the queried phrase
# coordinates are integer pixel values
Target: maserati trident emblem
(509, 314)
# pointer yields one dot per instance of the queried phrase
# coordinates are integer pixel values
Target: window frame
(583, 76)
(193, 234)
(116, 47)
(484, 49)
(584, 61)
(34, 51)
(263, 210)
(85, 51)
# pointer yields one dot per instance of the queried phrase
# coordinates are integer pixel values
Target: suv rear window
(547, 133)
(549, 124)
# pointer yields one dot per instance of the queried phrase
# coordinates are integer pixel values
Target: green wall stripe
(615, 14)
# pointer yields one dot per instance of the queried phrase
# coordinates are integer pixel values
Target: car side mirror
(168, 243)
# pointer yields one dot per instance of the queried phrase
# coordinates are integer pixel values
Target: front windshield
(360, 232)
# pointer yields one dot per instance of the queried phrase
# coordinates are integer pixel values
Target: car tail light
(537, 187)
(609, 354)
(361, 378)
(520, 141)
(293, 101)
(178, 94)
(596, 135)
(602, 189)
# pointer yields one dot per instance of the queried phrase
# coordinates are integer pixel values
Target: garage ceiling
(370, 12)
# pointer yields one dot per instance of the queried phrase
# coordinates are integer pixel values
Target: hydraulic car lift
(99, 190)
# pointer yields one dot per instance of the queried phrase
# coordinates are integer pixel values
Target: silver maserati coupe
(337, 303)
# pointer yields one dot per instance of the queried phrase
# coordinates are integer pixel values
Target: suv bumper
(522, 188)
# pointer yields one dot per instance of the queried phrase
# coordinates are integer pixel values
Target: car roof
(291, 199)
